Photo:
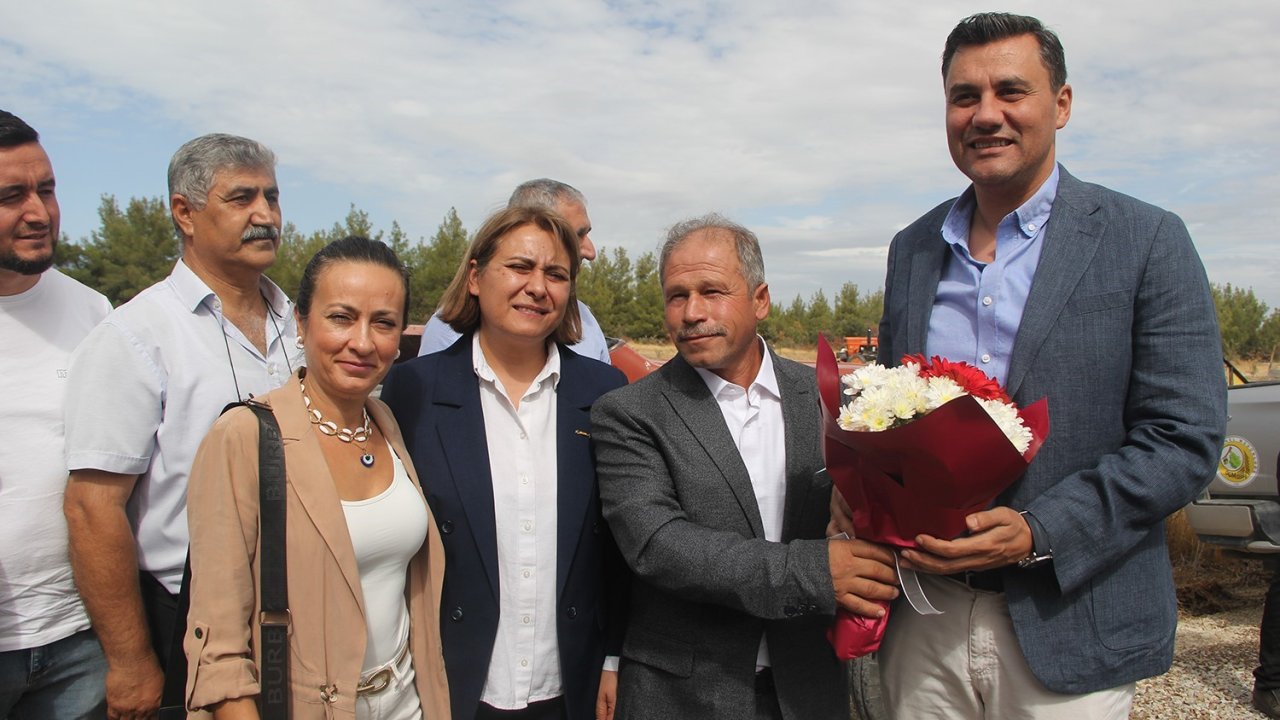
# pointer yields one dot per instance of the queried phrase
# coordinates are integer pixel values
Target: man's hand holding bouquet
(915, 450)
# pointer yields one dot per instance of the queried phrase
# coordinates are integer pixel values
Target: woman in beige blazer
(365, 563)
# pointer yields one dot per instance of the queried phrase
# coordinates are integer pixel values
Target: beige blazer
(327, 637)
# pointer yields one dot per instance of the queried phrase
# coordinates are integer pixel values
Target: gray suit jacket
(707, 584)
(1120, 334)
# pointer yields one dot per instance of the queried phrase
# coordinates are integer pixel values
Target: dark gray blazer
(707, 585)
(1119, 333)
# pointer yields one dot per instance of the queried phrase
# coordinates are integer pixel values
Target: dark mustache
(260, 232)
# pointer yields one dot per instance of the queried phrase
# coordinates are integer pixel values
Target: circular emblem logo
(1238, 463)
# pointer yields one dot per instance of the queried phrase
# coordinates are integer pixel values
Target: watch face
(1033, 560)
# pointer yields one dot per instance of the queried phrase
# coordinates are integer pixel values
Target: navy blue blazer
(436, 400)
(1119, 333)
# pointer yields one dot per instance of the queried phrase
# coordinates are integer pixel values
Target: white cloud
(818, 124)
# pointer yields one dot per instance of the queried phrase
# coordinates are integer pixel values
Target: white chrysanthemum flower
(876, 419)
(941, 391)
(883, 397)
(847, 420)
(1010, 423)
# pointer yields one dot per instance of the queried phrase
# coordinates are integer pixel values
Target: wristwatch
(1041, 552)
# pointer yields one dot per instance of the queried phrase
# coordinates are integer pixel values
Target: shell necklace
(358, 435)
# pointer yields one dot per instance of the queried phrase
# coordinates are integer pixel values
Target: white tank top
(387, 530)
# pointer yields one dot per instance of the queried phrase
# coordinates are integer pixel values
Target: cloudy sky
(817, 124)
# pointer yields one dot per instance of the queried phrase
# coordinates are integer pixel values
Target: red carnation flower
(974, 381)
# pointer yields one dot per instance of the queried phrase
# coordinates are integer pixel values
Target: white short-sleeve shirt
(39, 328)
(147, 384)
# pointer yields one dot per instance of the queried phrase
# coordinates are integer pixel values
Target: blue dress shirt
(978, 306)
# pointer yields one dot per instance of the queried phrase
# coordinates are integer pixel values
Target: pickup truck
(1240, 510)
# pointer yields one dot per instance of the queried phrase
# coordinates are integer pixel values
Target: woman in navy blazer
(513, 300)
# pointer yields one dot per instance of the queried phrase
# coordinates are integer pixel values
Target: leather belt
(984, 580)
(380, 679)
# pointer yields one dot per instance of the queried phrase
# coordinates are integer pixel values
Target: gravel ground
(1212, 674)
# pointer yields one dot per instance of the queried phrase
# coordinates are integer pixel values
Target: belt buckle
(378, 682)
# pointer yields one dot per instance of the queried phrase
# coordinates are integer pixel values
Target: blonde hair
(461, 310)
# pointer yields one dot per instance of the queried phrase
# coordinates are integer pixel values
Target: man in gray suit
(708, 481)
(1061, 595)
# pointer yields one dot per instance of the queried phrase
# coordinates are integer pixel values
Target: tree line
(136, 246)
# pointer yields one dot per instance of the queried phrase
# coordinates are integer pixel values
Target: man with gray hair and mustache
(146, 385)
(709, 481)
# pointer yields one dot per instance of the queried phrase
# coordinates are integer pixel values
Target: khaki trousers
(966, 665)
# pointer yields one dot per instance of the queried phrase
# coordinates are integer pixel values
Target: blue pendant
(367, 460)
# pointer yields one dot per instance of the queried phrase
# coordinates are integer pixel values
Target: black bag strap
(273, 675)
(174, 696)
(273, 702)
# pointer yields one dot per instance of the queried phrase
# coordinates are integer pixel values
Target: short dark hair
(989, 27)
(353, 248)
(461, 310)
(15, 132)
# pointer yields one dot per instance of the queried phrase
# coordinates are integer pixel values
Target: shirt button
(456, 615)
(1031, 227)
(525, 619)
(524, 436)
(986, 300)
(986, 358)
(524, 663)
(524, 480)
(272, 368)
(528, 527)
(526, 573)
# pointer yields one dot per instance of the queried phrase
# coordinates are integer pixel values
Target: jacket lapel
(465, 445)
(308, 475)
(926, 272)
(1070, 241)
(692, 401)
(575, 470)
(799, 410)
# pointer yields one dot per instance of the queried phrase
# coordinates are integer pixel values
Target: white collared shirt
(525, 665)
(754, 418)
(146, 385)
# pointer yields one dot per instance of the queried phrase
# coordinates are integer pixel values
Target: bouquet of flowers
(916, 449)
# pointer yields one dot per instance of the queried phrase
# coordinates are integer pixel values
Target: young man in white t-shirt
(51, 665)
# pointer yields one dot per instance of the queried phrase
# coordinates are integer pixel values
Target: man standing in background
(51, 665)
(145, 387)
(567, 202)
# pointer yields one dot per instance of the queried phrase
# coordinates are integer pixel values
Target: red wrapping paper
(924, 477)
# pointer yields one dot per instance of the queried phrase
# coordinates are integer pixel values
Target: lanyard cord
(271, 313)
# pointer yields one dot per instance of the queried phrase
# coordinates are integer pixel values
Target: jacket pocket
(659, 651)
(1098, 303)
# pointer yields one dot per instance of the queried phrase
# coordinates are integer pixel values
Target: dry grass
(1209, 579)
(665, 351)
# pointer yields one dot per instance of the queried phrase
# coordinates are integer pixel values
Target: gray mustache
(700, 331)
(260, 232)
